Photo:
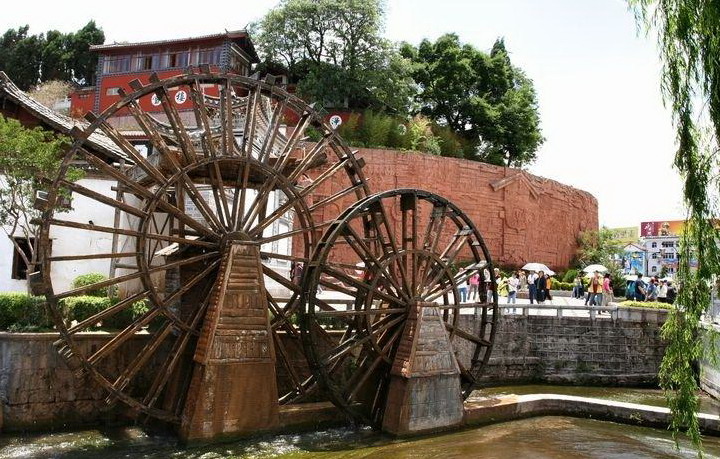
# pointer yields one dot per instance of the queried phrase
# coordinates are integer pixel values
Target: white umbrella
(538, 267)
(593, 268)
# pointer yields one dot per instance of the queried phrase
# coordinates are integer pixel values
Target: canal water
(537, 438)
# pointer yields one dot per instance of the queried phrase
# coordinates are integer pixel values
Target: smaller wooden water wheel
(399, 256)
(202, 226)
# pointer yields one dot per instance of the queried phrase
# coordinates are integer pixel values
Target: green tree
(28, 159)
(81, 61)
(32, 59)
(21, 56)
(688, 34)
(334, 52)
(598, 247)
(482, 97)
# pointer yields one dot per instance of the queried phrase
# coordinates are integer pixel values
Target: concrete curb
(511, 407)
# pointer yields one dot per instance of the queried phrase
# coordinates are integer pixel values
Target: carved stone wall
(522, 217)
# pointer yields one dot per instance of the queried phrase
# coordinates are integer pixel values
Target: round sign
(335, 121)
(155, 100)
(180, 97)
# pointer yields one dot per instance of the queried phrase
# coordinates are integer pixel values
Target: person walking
(513, 284)
(463, 287)
(607, 290)
(640, 288)
(532, 286)
(578, 287)
(595, 290)
(474, 284)
(652, 291)
(671, 293)
(541, 287)
(548, 287)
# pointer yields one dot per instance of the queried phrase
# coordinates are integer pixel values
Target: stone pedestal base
(425, 393)
(233, 390)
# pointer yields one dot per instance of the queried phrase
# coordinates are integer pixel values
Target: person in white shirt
(513, 284)
(532, 286)
(663, 292)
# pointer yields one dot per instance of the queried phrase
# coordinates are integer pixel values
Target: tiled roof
(227, 34)
(98, 141)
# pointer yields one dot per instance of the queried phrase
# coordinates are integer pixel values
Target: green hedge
(570, 275)
(80, 308)
(22, 312)
(89, 279)
(645, 304)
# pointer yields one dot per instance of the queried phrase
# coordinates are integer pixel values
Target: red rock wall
(522, 217)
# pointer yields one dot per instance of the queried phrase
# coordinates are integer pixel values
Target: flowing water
(537, 438)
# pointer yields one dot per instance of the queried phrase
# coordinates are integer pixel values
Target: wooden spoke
(277, 213)
(145, 193)
(316, 151)
(143, 357)
(357, 381)
(247, 148)
(292, 142)
(340, 194)
(130, 150)
(123, 336)
(366, 255)
(94, 256)
(362, 312)
(112, 310)
(226, 120)
(272, 132)
(107, 229)
(202, 121)
(467, 336)
(173, 116)
(341, 276)
(168, 367)
(357, 340)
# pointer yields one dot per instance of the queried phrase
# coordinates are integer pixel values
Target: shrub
(89, 279)
(22, 312)
(451, 144)
(570, 275)
(79, 308)
(646, 304)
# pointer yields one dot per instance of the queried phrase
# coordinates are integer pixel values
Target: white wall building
(662, 251)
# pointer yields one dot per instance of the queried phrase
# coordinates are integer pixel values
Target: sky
(597, 78)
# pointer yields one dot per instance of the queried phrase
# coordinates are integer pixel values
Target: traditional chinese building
(121, 63)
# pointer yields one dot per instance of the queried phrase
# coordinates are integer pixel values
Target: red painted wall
(526, 219)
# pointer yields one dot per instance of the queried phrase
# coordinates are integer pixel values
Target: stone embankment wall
(39, 392)
(710, 363)
(574, 350)
(521, 217)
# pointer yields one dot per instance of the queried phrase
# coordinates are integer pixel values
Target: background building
(661, 240)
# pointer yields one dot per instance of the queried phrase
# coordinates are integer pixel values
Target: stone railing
(613, 311)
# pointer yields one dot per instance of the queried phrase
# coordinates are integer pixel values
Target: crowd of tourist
(479, 285)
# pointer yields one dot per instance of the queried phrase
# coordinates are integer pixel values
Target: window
(112, 92)
(654, 255)
(668, 244)
(654, 245)
(19, 267)
(116, 64)
(654, 269)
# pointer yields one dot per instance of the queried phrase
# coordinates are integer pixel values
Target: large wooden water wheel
(226, 174)
(410, 250)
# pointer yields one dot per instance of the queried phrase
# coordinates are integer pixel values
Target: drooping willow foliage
(688, 33)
